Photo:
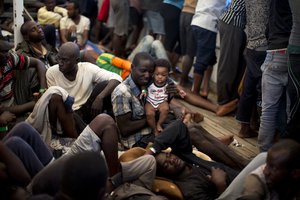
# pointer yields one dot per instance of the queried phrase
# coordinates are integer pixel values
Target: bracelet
(153, 150)
(3, 129)
(144, 91)
(42, 90)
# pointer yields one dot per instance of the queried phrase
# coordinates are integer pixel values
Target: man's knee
(101, 122)
(55, 99)
(17, 144)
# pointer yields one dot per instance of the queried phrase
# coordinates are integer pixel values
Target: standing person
(275, 75)
(232, 44)
(293, 126)
(121, 25)
(187, 40)
(170, 11)
(204, 25)
(257, 14)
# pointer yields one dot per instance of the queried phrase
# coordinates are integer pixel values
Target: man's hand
(218, 177)
(171, 90)
(97, 106)
(7, 117)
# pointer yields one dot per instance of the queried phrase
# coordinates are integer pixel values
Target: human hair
(84, 176)
(142, 56)
(76, 4)
(23, 28)
(291, 149)
(163, 63)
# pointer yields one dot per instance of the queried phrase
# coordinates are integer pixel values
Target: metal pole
(18, 20)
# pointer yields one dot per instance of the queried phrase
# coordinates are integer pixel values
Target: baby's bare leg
(163, 114)
(150, 116)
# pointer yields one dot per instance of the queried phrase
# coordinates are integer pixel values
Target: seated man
(74, 27)
(34, 44)
(156, 49)
(50, 14)
(130, 116)
(279, 177)
(90, 86)
(18, 99)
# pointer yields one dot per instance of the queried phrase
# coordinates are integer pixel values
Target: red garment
(104, 11)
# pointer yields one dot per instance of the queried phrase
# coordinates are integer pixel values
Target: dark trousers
(293, 89)
(251, 93)
(176, 136)
(83, 116)
(231, 63)
(24, 141)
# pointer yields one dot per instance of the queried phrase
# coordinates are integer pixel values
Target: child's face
(160, 75)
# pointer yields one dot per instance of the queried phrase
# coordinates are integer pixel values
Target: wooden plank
(227, 125)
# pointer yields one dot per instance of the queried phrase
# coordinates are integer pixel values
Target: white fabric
(207, 14)
(86, 141)
(51, 17)
(39, 118)
(84, 24)
(156, 95)
(81, 88)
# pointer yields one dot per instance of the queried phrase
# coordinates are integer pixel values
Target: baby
(157, 98)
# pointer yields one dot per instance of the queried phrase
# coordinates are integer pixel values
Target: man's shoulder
(53, 70)
(121, 89)
(84, 18)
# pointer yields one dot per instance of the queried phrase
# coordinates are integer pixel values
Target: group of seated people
(72, 116)
(81, 124)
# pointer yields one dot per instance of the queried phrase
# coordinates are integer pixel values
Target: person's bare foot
(159, 129)
(226, 139)
(226, 108)
(203, 94)
(197, 117)
(246, 131)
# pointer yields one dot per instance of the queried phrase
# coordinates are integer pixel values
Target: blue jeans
(274, 83)
(154, 47)
(26, 143)
(251, 94)
(293, 126)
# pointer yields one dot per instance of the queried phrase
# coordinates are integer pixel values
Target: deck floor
(227, 125)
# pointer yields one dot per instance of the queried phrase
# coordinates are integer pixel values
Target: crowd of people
(89, 108)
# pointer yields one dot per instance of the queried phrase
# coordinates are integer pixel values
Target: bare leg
(150, 116)
(213, 147)
(118, 44)
(187, 63)
(106, 129)
(205, 83)
(57, 111)
(197, 100)
(163, 114)
(246, 131)
(197, 83)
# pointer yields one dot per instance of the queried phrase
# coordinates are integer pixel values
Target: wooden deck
(220, 126)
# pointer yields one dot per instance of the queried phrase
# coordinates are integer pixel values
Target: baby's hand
(182, 93)
(143, 94)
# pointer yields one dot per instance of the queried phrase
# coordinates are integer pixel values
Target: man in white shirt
(90, 85)
(74, 27)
